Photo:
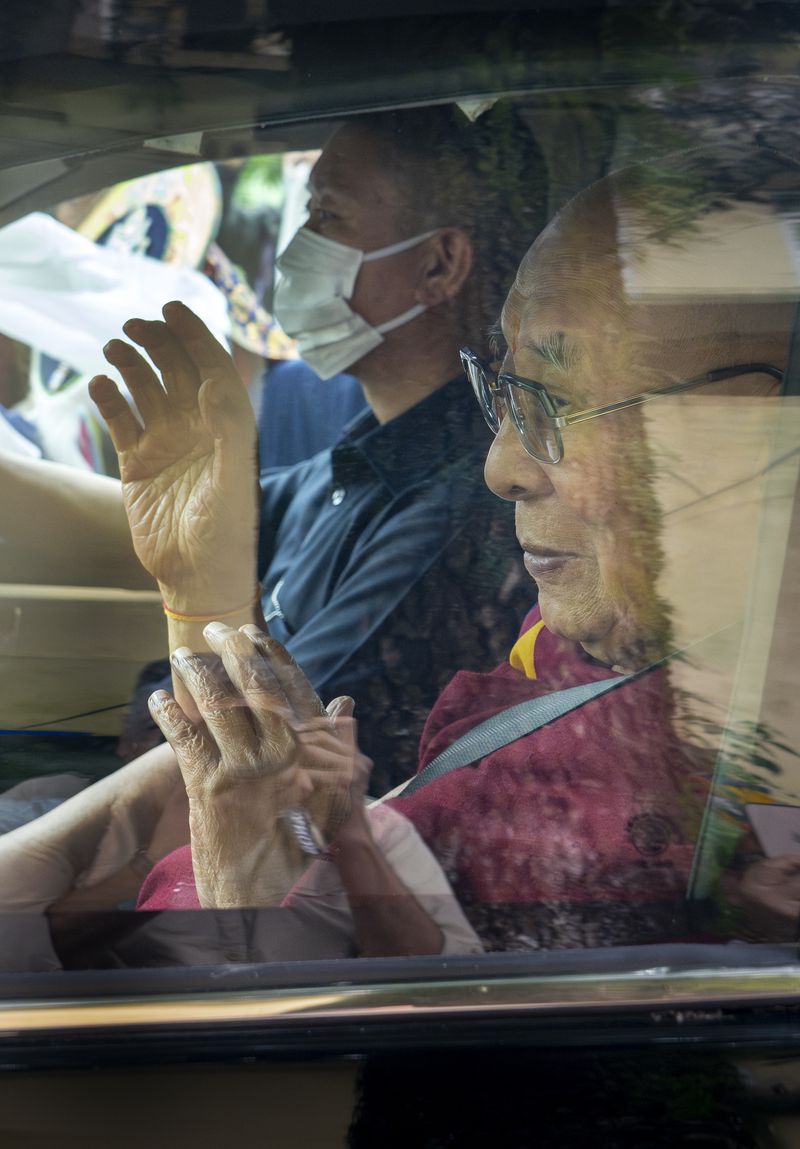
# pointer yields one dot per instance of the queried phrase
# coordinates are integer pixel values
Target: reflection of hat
(251, 326)
(171, 216)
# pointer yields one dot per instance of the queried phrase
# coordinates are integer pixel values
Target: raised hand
(263, 746)
(188, 468)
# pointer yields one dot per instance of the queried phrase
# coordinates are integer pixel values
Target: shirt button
(337, 496)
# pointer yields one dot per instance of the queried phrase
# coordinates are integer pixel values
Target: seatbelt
(509, 725)
(518, 721)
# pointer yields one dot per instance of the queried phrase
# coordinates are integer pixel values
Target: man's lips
(542, 561)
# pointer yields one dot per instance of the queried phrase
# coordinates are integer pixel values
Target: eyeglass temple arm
(672, 389)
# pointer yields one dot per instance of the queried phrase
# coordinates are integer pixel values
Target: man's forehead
(555, 292)
(353, 165)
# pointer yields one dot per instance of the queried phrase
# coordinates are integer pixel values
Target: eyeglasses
(534, 411)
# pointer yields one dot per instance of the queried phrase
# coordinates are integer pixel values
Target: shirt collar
(440, 428)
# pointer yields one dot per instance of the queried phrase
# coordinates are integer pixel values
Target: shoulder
(279, 484)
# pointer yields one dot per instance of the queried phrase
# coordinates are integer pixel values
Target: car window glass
(479, 416)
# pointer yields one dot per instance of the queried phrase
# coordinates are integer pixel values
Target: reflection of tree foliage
(750, 759)
(252, 201)
(749, 754)
(686, 149)
(748, 111)
(145, 31)
(706, 169)
(679, 27)
(260, 184)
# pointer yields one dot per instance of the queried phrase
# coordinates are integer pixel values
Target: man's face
(355, 200)
(591, 526)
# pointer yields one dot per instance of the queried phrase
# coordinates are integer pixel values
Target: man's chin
(586, 622)
(617, 640)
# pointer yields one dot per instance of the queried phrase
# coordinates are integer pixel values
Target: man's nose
(510, 471)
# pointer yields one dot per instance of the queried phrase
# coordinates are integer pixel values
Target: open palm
(188, 470)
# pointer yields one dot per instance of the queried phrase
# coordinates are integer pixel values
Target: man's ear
(445, 266)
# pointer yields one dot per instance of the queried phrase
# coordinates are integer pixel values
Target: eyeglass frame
(499, 379)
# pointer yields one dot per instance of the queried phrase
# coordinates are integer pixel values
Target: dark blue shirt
(387, 565)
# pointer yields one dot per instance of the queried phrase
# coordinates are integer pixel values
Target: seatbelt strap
(524, 718)
(506, 727)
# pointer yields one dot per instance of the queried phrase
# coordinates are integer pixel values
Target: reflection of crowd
(561, 794)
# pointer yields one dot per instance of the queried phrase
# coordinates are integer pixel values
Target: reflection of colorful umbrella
(251, 326)
(171, 216)
(731, 799)
(725, 824)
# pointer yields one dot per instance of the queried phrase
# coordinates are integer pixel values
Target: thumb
(226, 409)
(228, 416)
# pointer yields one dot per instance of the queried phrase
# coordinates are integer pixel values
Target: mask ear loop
(399, 320)
(396, 248)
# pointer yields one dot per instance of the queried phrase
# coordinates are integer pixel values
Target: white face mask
(318, 276)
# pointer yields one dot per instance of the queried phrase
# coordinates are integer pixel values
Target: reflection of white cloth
(321, 904)
(67, 296)
(12, 443)
(314, 923)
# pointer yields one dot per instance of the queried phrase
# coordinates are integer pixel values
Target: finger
(303, 699)
(251, 675)
(195, 751)
(206, 353)
(335, 788)
(222, 709)
(342, 707)
(140, 379)
(228, 415)
(331, 798)
(123, 426)
(325, 748)
(345, 728)
(179, 374)
(224, 401)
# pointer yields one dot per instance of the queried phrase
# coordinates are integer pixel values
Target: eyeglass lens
(528, 414)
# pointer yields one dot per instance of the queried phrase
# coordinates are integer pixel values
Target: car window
(398, 537)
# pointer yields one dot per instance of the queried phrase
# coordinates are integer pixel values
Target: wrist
(208, 604)
(353, 839)
(240, 862)
(355, 829)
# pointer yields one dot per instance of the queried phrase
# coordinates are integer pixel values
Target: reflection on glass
(627, 774)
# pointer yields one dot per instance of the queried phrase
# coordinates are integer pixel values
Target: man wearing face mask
(384, 564)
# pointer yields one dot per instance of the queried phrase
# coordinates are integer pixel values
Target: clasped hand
(263, 745)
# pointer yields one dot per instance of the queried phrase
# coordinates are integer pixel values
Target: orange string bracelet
(176, 616)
